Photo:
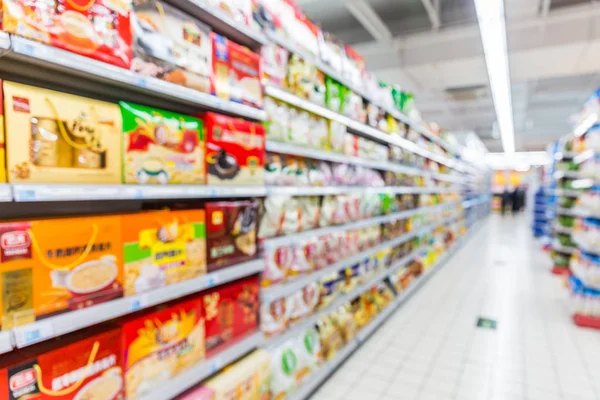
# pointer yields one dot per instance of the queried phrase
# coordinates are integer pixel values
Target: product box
(245, 379)
(161, 344)
(161, 147)
(230, 311)
(58, 265)
(2, 152)
(239, 10)
(161, 248)
(81, 367)
(230, 233)
(98, 29)
(171, 45)
(236, 72)
(56, 137)
(235, 151)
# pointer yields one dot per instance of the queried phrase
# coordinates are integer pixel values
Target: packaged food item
(236, 72)
(58, 265)
(311, 252)
(60, 138)
(278, 124)
(354, 67)
(284, 365)
(161, 147)
(230, 312)
(333, 94)
(2, 152)
(235, 151)
(294, 172)
(345, 322)
(337, 133)
(274, 316)
(279, 262)
(171, 45)
(309, 212)
(162, 247)
(230, 233)
(198, 393)
(300, 125)
(77, 367)
(275, 64)
(161, 344)
(319, 132)
(274, 165)
(308, 353)
(247, 378)
(99, 29)
(332, 52)
(303, 302)
(280, 216)
(586, 267)
(319, 174)
(330, 336)
(328, 288)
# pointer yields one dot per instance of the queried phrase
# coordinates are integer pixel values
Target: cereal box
(161, 248)
(230, 233)
(60, 138)
(171, 45)
(95, 28)
(58, 265)
(230, 312)
(161, 147)
(235, 151)
(82, 367)
(245, 379)
(236, 72)
(161, 344)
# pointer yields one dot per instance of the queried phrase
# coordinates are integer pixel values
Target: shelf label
(213, 280)
(215, 365)
(139, 302)
(26, 195)
(34, 333)
(140, 81)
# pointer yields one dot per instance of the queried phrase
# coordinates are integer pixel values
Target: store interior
(299, 199)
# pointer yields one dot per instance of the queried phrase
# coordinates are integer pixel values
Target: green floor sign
(486, 323)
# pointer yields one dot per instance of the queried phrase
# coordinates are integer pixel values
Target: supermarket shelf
(476, 201)
(331, 190)
(6, 342)
(5, 192)
(222, 23)
(568, 192)
(293, 238)
(564, 211)
(61, 324)
(356, 126)
(563, 249)
(73, 192)
(205, 369)
(563, 155)
(314, 380)
(562, 229)
(566, 174)
(27, 57)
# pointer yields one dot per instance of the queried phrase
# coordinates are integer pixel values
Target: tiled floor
(430, 348)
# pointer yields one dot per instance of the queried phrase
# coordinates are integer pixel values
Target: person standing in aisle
(505, 200)
(516, 196)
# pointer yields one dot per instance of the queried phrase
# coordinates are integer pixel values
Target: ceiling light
(490, 14)
(523, 168)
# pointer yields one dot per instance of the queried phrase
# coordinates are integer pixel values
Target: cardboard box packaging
(2, 145)
(230, 233)
(161, 344)
(60, 138)
(161, 147)
(58, 265)
(161, 248)
(98, 29)
(88, 367)
(230, 311)
(235, 151)
(171, 45)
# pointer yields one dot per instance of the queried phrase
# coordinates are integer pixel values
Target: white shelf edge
(30, 50)
(332, 190)
(58, 325)
(568, 192)
(563, 249)
(6, 342)
(191, 377)
(289, 239)
(565, 211)
(6, 193)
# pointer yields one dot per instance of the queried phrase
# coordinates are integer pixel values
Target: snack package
(309, 212)
(274, 316)
(230, 312)
(274, 165)
(60, 138)
(319, 132)
(2, 153)
(354, 67)
(284, 364)
(99, 29)
(162, 247)
(328, 289)
(330, 337)
(333, 94)
(300, 125)
(320, 174)
(279, 263)
(236, 72)
(337, 133)
(247, 378)
(308, 353)
(345, 322)
(198, 393)
(303, 302)
(230, 233)
(171, 45)
(58, 265)
(278, 124)
(160, 344)
(81, 366)
(332, 52)
(280, 215)
(235, 151)
(161, 147)
(275, 63)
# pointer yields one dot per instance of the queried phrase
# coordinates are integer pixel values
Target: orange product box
(98, 29)
(161, 248)
(2, 153)
(56, 137)
(160, 344)
(58, 265)
(82, 367)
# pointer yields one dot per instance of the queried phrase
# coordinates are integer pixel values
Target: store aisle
(431, 348)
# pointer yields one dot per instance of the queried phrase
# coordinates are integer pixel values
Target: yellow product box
(162, 247)
(56, 137)
(2, 154)
(53, 266)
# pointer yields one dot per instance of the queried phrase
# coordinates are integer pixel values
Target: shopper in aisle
(506, 198)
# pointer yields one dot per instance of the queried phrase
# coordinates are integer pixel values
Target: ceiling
(433, 49)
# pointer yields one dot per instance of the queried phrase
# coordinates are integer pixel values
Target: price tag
(34, 333)
(140, 81)
(26, 195)
(139, 302)
(213, 280)
(215, 365)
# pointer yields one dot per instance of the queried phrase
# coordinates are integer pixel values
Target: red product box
(88, 367)
(235, 151)
(98, 29)
(231, 311)
(236, 72)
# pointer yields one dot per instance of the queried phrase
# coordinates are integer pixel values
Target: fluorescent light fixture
(582, 183)
(519, 161)
(490, 14)
(523, 168)
(585, 125)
